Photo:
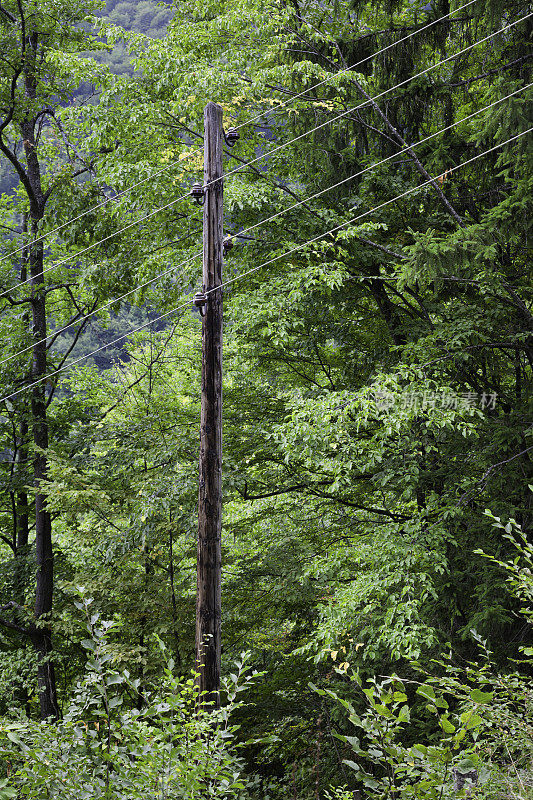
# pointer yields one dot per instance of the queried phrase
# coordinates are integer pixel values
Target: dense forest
(377, 437)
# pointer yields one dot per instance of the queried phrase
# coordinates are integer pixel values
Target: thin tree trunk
(41, 635)
(41, 632)
(21, 508)
(22, 496)
(416, 161)
(22, 449)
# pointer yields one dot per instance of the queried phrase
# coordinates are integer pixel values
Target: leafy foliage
(101, 748)
(377, 388)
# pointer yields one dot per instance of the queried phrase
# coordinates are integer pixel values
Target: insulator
(197, 193)
(232, 136)
(200, 301)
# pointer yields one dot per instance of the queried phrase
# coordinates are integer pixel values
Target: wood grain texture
(208, 598)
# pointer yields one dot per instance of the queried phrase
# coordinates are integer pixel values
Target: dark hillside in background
(145, 17)
(151, 19)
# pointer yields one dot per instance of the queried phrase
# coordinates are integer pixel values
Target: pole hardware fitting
(227, 244)
(198, 193)
(200, 301)
(232, 137)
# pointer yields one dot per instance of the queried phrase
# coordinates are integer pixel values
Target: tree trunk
(22, 444)
(21, 508)
(41, 635)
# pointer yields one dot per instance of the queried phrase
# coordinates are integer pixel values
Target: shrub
(481, 740)
(171, 747)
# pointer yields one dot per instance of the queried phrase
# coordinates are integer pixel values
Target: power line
(376, 97)
(269, 219)
(366, 213)
(260, 266)
(280, 147)
(383, 161)
(362, 61)
(85, 317)
(96, 244)
(242, 124)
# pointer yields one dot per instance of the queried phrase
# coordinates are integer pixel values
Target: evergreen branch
(495, 71)
(395, 133)
(484, 479)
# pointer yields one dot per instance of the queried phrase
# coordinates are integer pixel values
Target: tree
(37, 41)
(377, 379)
(357, 367)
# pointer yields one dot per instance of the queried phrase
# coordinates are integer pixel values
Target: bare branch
(14, 626)
(7, 14)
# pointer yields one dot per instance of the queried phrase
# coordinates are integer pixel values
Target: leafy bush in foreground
(102, 748)
(483, 744)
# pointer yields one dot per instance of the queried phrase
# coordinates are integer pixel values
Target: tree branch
(69, 351)
(8, 14)
(12, 606)
(8, 541)
(276, 492)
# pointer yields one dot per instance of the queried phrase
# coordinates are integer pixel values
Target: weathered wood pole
(208, 595)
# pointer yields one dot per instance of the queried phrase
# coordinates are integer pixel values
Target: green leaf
(470, 720)
(426, 691)
(446, 725)
(7, 792)
(404, 714)
(477, 696)
(352, 765)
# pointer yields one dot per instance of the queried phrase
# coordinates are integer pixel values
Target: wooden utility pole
(208, 595)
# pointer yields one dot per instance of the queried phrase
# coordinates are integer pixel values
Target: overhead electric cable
(379, 163)
(99, 242)
(241, 125)
(279, 147)
(85, 317)
(267, 220)
(370, 211)
(260, 266)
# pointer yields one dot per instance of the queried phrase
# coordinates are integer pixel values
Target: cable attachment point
(198, 193)
(232, 137)
(200, 301)
(227, 244)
